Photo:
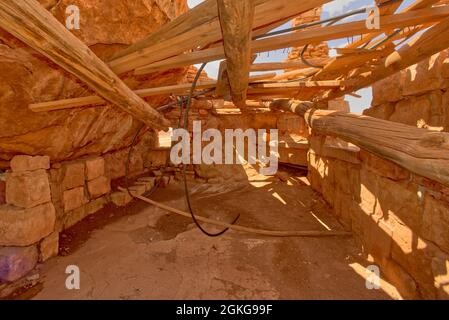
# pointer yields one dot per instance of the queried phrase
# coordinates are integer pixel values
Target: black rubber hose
(184, 168)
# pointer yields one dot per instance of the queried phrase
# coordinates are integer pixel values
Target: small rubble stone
(138, 189)
(74, 175)
(121, 199)
(283, 176)
(215, 180)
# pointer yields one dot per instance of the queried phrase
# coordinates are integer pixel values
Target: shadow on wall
(400, 219)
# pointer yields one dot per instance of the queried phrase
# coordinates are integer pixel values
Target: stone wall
(27, 220)
(400, 219)
(42, 199)
(416, 96)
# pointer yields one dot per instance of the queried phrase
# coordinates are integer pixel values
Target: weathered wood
(421, 151)
(223, 87)
(236, 20)
(143, 93)
(295, 74)
(268, 66)
(297, 39)
(35, 26)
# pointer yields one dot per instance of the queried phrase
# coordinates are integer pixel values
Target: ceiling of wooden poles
(235, 31)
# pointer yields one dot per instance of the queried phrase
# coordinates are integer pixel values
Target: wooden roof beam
(199, 28)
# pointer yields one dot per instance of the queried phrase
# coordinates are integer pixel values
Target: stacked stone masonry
(417, 96)
(400, 219)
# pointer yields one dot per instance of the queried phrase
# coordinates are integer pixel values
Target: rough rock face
(27, 77)
(418, 95)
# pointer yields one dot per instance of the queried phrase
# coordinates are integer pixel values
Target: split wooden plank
(201, 27)
(297, 39)
(420, 151)
(236, 20)
(35, 26)
(143, 93)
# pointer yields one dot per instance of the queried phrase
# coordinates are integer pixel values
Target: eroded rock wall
(106, 26)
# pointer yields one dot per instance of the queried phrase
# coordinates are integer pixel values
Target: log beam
(236, 20)
(35, 26)
(420, 151)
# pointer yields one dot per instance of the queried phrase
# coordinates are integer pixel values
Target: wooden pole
(35, 26)
(269, 233)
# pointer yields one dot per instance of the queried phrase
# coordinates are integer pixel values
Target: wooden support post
(35, 26)
(236, 20)
(421, 151)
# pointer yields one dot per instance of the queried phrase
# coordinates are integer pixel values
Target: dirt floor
(141, 252)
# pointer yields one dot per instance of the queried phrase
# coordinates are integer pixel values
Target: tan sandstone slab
(23, 227)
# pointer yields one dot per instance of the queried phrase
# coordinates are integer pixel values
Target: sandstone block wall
(400, 219)
(27, 77)
(26, 219)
